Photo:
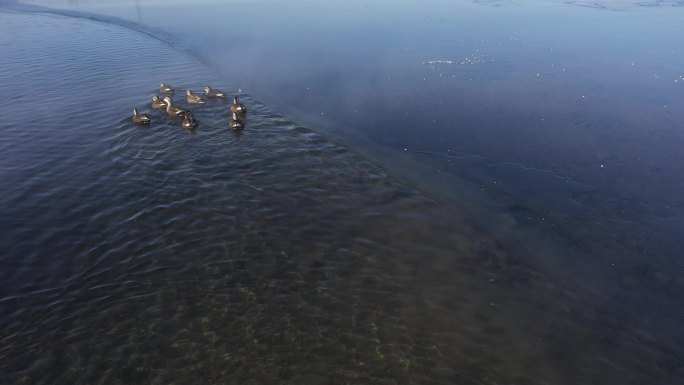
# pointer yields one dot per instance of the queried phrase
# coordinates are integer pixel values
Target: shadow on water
(156, 255)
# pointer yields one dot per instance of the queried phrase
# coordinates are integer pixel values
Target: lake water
(426, 193)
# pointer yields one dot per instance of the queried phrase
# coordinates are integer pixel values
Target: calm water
(473, 194)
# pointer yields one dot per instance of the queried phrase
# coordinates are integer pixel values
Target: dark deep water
(468, 193)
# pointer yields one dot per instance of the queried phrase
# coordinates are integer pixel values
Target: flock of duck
(238, 111)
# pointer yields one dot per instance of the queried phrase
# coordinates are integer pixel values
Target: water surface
(533, 239)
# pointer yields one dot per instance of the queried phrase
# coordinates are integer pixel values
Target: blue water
(468, 193)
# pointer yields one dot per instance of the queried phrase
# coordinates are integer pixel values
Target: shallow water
(157, 255)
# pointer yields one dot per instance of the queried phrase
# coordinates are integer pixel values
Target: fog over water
(484, 192)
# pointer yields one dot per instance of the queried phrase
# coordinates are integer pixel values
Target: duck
(193, 98)
(165, 88)
(139, 118)
(237, 107)
(157, 103)
(236, 123)
(171, 110)
(189, 122)
(214, 93)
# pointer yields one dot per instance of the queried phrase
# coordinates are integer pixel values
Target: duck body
(236, 123)
(165, 88)
(189, 123)
(193, 98)
(214, 93)
(157, 103)
(237, 107)
(171, 109)
(139, 118)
